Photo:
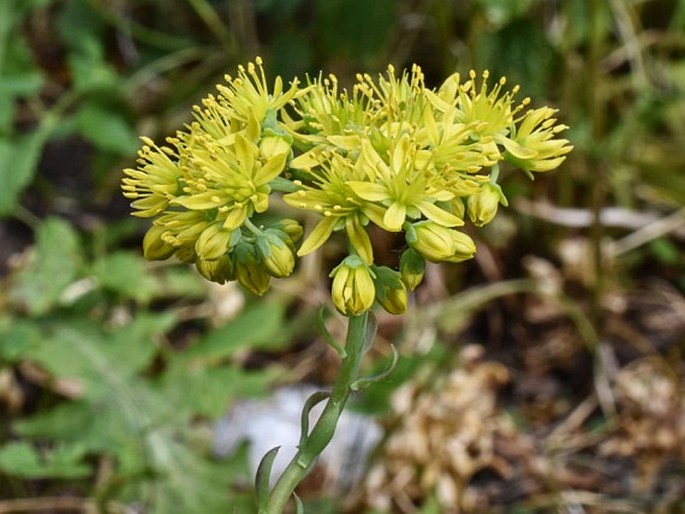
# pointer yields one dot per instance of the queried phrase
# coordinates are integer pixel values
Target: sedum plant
(389, 152)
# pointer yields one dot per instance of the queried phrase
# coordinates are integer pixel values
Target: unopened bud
(219, 270)
(391, 292)
(249, 271)
(277, 258)
(289, 230)
(213, 242)
(352, 291)
(482, 207)
(412, 268)
(440, 244)
(154, 248)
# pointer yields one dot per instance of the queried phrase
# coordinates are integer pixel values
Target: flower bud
(482, 207)
(291, 228)
(277, 258)
(412, 268)
(440, 244)
(154, 247)
(186, 253)
(219, 270)
(249, 271)
(352, 290)
(391, 292)
(213, 242)
(290, 232)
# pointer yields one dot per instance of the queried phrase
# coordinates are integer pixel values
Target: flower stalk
(313, 443)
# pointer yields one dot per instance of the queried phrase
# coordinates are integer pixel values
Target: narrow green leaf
(263, 478)
(299, 507)
(311, 402)
(323, 330)
(365, 381)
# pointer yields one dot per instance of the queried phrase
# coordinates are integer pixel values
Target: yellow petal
(517, 150)
(245, 152)
(368, 190)
(395, 216)
(439, 216)
(348, 143)
(271, 169)
(199, 201)
(307, 160)
(235, 218)
(359, 239)
(322, 231)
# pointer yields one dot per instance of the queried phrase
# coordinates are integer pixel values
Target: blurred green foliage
(89, 333)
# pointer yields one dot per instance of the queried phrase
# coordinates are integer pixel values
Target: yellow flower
(156, 182)
(182, 228)
(490, 111)
(536, 132)
(389, 152)
(352, 291)
(397, 100)
(327, 112)
(242, 104)
(402, 186)
(229, 178)
(330, 194)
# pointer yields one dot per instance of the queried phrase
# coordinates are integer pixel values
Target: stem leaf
(311, 402)
(263, 477)
(321, 325)
(365, 381)
(299, 507)
(370, 334)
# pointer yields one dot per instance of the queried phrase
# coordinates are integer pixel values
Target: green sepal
(283, 185)
(410, 233)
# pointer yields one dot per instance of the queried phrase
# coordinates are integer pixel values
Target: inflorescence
(390, 152)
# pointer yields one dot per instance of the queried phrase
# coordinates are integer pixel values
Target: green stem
(324, 429)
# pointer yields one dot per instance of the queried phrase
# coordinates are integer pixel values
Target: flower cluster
(389, 152)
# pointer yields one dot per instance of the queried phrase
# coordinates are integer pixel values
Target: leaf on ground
(22, 460)
(125, 274)
(259, 327)
(56, 265)
(18, 161)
